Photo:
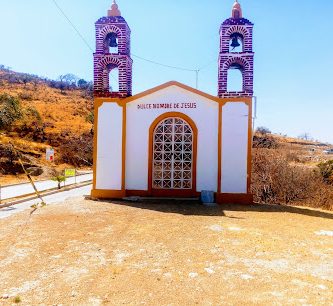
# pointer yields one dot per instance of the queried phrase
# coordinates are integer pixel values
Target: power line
(75, 29)
(134, 55)
(73, 26)
(173, 67)
(163, 65)
(197, 71)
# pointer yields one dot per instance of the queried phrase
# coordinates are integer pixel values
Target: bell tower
(236, 53)
(113, 51)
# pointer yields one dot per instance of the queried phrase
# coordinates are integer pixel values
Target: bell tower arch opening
(112, 59)
(111, 43)
(111, 79)
(235, 77)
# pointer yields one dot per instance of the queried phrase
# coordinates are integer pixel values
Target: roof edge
(169, 84)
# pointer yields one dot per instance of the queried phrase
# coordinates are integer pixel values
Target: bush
(31, 126)
(7, 153)
(32, 116)
(25, 96)
(59, 178)
(90, 118)
(77, 151)
(10, 111)
(276, 181)
(263, 130)
(264, 141)
(326, 171)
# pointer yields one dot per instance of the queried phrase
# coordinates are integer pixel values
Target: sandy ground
(97, 253)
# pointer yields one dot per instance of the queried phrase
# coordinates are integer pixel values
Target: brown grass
(60, 112)
(281, 178)
(63, 119)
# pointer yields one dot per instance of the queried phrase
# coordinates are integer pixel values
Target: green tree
(90, 118)
(59, 179)
(82, 84)
(263, 130)
(10, 111)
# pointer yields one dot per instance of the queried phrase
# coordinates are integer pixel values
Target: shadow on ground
(195, 208)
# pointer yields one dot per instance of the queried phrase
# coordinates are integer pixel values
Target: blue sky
(293, 45)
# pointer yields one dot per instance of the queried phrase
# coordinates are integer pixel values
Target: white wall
(109, 147)
(235, 118)
(139, 121)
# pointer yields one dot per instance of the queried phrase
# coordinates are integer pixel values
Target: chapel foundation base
(108, 194)
(234, 198)
(221, 198)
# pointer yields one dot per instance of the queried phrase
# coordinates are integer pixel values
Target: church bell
(235, 43)
(113, 40)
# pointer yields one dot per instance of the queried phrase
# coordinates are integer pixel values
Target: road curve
(51, 199)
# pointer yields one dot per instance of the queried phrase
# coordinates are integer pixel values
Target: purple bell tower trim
(113, 50)
(236, 53)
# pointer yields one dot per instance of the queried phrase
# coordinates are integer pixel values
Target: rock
(216, 228)
(5, 296)
(209, 270)
(35, 171)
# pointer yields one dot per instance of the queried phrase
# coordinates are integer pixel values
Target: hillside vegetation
(292, 171)
(36, 114)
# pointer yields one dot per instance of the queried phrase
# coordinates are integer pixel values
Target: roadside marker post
(70, 173)
(50, 155)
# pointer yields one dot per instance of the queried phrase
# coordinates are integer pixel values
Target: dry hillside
(52, 114)
(292, 171)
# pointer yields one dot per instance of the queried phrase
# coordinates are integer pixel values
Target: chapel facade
(172, 140)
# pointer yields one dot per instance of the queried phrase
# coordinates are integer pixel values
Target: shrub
(7, 153)
(263, 130)
(264, 141)
(25, 96)
(326, 171)
(17, 300)
(77, 151)
(10, 111)
(32, 115)
(275, 181)
(31, 126)
(59, 179)
(90, 118)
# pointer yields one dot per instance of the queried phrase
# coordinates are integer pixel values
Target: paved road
(19, 190)
(51, 199)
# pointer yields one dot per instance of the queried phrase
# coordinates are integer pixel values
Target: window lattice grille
(173, 155)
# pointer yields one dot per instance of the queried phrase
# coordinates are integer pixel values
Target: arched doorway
(173, 160)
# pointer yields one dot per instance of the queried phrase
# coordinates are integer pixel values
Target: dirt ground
(99, 253)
